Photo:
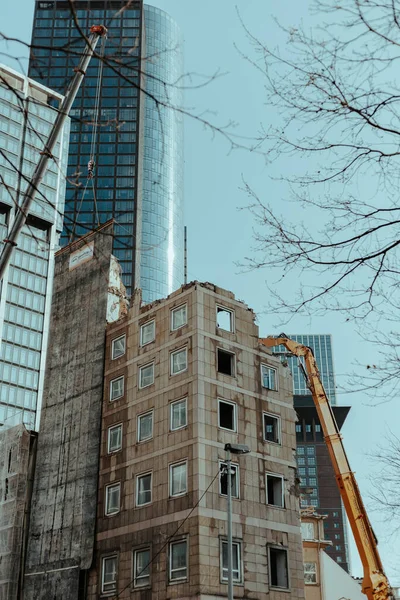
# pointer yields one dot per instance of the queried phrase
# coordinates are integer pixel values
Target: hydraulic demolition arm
(375, 583)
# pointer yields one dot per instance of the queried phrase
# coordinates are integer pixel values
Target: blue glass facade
(25, 296)
(137, 144)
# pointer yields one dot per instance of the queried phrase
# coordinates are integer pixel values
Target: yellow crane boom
(375, 583)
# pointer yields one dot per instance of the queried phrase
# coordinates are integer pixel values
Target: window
(223, 480)
(109, 575)
(113, 493)
(118, 347)
(336, 525)
(178, 567)
(307, 531)
(227, 415)
(338, 548)
(310, 450)
(335, 513)
(311, 460)
(225, 319)
(268, 377)
(317, 428)
(178, 415)
(141, 567)
(146, 375)
(310, 573)
(311, 470)
(225, 362)
(337, 536)
(300, 450)
(114, 438)
(298, 427)
(145, 427)
(116, 388)
(178, 317)
(236, 561)
(178, 479)
(301, 461)
(308, 428)
(339, 559)
(301, 471)
(178, 361)
(274, 490)
(278, 567)
(143, 489)
(147, 333)
(272, 428)
(312, 481)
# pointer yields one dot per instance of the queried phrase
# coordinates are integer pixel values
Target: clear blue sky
(218, 233)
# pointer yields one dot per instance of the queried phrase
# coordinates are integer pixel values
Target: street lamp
(231, 449)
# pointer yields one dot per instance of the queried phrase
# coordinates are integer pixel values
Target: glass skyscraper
(137, 145)
(27, 111)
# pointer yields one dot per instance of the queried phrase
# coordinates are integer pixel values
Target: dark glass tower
(314, 467)
(137, 145)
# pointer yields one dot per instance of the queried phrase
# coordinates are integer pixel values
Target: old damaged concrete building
(184, 376)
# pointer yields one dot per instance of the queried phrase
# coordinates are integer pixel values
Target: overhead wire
(115, 597)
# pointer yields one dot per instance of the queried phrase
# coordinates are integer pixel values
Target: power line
(169, 538)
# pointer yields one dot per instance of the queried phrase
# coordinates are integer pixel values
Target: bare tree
(385, 481)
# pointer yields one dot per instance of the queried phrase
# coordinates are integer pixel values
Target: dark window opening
(225, 362)
(275, 490)
(278, 568)
(271, 429)
(226, 413)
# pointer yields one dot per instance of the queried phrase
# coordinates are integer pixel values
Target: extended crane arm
(375, 583)
(96, 32)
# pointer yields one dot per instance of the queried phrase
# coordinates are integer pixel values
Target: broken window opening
(272, 428)
(278, 568)
(227, 415)
(225, 362)
(274, 487)
(225, 319)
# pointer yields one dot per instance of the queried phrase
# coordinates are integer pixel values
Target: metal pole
(229, 496)
(47, 152)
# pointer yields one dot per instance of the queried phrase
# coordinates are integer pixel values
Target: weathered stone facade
(197, 514)
(63, 514)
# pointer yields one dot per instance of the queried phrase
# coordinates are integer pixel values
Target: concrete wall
(63, 515)
(15, 444)
(201, 443)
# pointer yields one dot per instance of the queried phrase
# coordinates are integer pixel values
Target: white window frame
(111, 590)
(308, 572)
(138, 477)
(279, 427)
(113, 342)
(138, 430)
(233, 354)
(172, 466)
(142, 387)
(142, 327)
(236, 493)
(278, 587)
(220, 307)
(136, 584)
(174, 311)
(182, 400)
(275, 389)
(178, 351)
(276, 476)
(238, 545)
(234, 430)
(121, 378)
(186, 576)
(109, 487)
(109, 430)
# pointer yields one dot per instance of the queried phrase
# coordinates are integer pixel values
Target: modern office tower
(88, 293)
(314, 465)
(137, 146)
(27, 111)
(183, 378)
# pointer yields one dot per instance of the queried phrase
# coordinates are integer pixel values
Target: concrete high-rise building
(183, 376)
(314, 465)
(138, 144)
(27, 112)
